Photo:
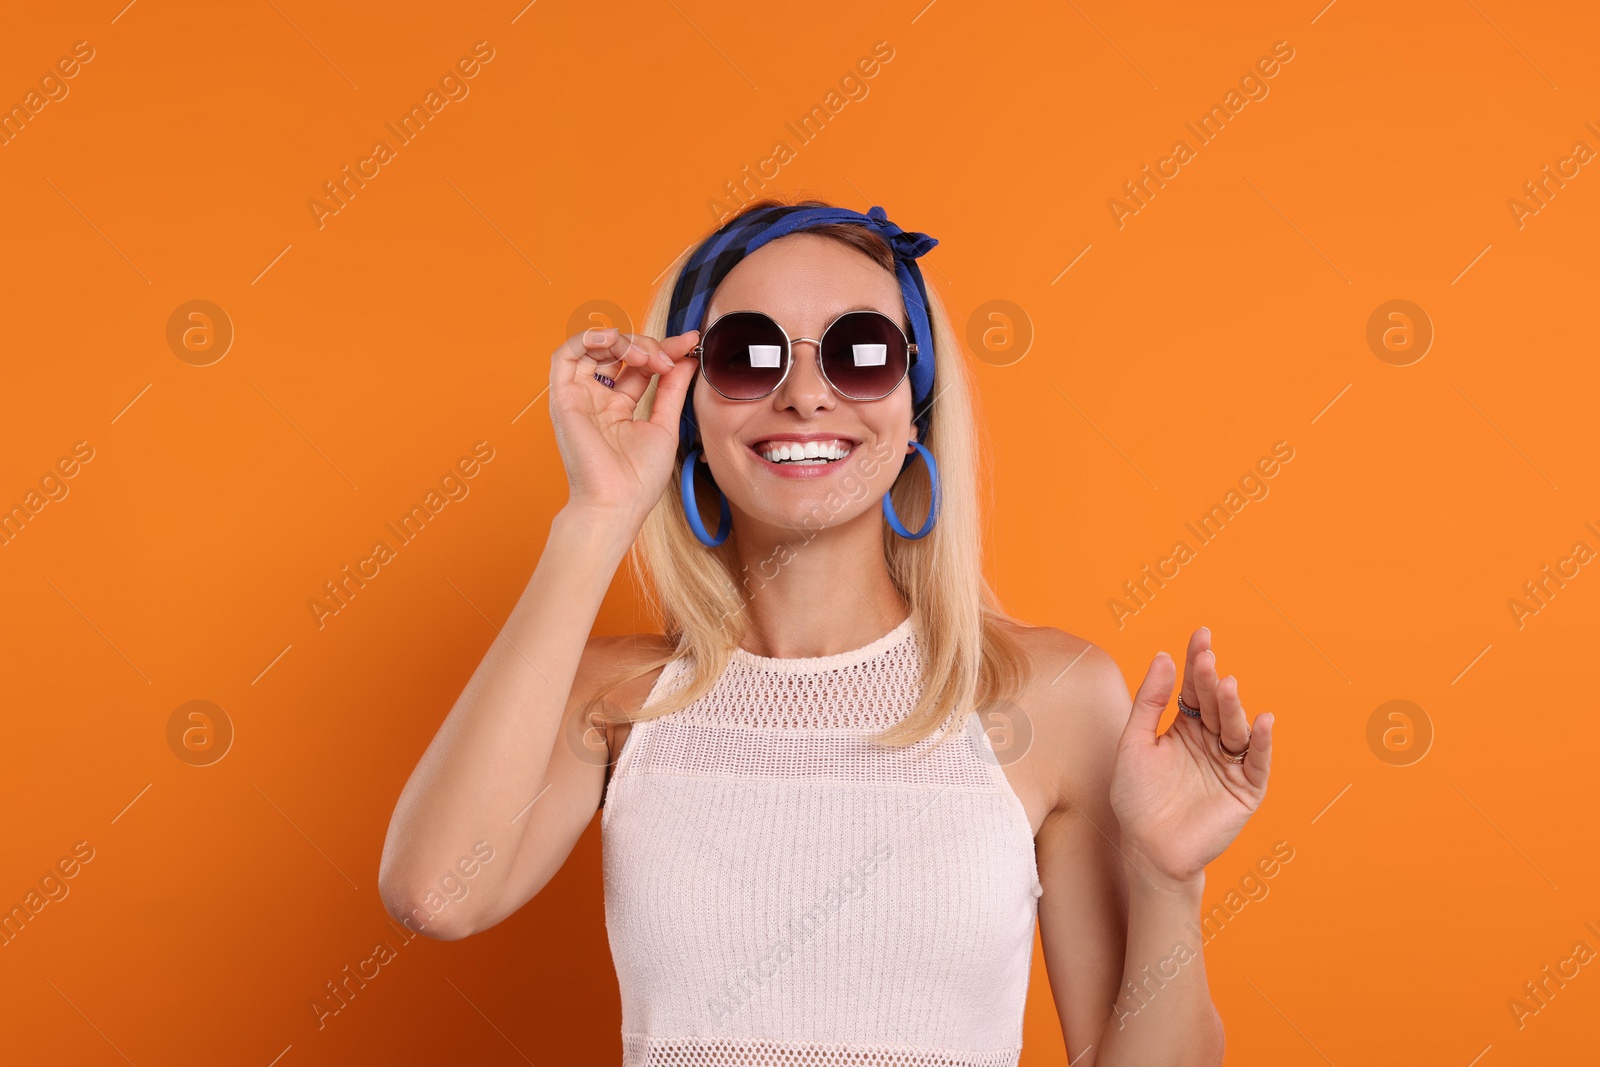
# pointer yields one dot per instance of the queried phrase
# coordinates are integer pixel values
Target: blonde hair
(968, 658)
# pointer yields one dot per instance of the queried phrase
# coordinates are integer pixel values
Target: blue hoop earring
(690, 509)
(933, 510)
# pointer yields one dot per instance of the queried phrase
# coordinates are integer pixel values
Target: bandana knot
(907, 243)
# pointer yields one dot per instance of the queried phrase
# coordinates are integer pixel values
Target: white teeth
(805, 452)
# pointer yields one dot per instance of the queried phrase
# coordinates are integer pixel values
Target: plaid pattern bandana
(718, 254)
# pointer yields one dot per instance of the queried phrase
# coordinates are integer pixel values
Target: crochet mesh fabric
(781, 891)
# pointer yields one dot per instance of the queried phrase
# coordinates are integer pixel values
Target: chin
(810, 509)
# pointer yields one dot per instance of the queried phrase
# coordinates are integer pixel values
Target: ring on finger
(1193, 713)
(609, 383)
(1233, 757)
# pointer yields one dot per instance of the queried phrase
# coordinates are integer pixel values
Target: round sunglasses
(746, 355)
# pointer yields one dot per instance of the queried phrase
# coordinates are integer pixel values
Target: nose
(805, 389)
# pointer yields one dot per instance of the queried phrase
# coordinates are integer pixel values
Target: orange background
(371, 353)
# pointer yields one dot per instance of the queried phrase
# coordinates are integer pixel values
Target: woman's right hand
(616, 463)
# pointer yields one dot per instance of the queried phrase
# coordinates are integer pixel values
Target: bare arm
(492, 756)
(1121, 910)
(1126, 967)
(465, 812)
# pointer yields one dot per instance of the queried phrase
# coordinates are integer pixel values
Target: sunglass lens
(864, 355)
(744, 355)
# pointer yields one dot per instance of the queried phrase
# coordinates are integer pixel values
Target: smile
(803, 452)
(794, 456)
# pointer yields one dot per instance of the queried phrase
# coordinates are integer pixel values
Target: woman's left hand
(1178, 801)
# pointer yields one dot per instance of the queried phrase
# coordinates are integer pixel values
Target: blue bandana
(718, 254)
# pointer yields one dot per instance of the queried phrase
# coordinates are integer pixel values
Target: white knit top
(780, 890)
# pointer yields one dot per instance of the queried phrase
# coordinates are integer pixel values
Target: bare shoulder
(1077, 703)
(1063, 668)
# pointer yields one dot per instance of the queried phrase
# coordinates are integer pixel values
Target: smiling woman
(827, 278)
(812, 852)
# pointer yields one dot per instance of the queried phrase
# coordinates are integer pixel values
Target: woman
(814, 853)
